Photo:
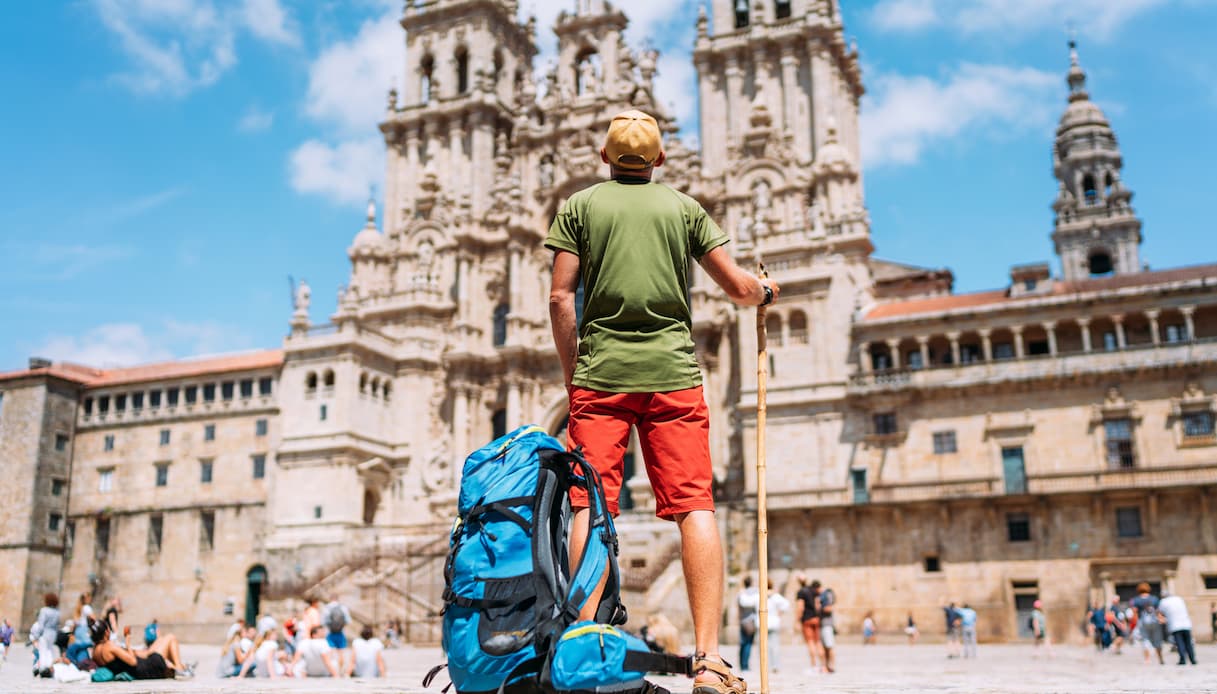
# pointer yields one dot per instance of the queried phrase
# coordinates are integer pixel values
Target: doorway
(255, 580)
(1025, 595)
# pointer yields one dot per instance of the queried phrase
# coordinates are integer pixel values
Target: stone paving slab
(1004, 669)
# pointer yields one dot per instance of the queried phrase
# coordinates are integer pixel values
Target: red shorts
(673, 430)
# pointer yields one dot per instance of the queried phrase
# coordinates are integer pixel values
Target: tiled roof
(939, 304)
(185, 368)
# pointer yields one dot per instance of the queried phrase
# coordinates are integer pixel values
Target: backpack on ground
(510, 595)
(335, 618)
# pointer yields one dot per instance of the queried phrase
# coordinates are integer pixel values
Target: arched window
(462, 70)
(310, 381)
(1089, 192)
(782, 9)
(773, 329)
(384, 390)
(798, 328)
(375, 386)
(426, 78)
(328, 379)
(1107, 183)
(500, 324)
(1099, 263)
(587, 71)
(371, 503)
(742, 13)
(363, 382)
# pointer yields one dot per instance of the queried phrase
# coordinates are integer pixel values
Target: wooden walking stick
(762, 516)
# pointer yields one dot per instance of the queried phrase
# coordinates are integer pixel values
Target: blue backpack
(510, 596)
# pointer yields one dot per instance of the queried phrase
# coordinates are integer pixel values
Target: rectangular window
(1018, 527)
(164, 437)
(260, 427)
(1210, 582)
(1109, 342)
(192, 394)
(1128, 521)
(154, 399)
(1198, 424)
(913, 359)
(205, 467)
(88, 404)
(944, 442)
(264, 385)
(259, 461)
(108, 442)
(226, 390)
(209, 392)
(933, 564)
(324, 413)
(1037, 347)
(207, 530)
(969, 354)
(1014, 469)
(861, 493)
(120, 402)
(101, 544)
(57, 486)
(884, 422)
(53, 522)
(61, 442)
(209, 432)
(156, 532)
(1120, 452)
(137, 400)
(881, 362)
(105, 479)
(247, 388)
(171, 396)
(69, 538)
(1176, 333)
(162, 474)
(103, 404)
(317, 512)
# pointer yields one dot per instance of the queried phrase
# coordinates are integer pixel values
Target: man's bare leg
(578, 540)
(702, 559)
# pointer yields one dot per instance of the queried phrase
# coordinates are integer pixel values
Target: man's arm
(741, 286)
(563, 285)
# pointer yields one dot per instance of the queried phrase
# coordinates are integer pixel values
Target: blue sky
(169, 163)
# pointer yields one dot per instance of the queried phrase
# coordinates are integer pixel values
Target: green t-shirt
(634, 240)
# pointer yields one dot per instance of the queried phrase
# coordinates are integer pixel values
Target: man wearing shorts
(631, 361)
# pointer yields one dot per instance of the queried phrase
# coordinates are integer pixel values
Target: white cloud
(344, 173)
(348, 81)
(1098, 18)
(906, 115)
(255, 120)
(177, 46)
(125, 344)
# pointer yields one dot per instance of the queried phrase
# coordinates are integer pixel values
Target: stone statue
(303, 296)
(815, 219)
(587, 78)
(546, 172)
(426, 260)
(762, 200)
(743, 230)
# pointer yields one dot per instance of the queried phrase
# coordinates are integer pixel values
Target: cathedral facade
(1053, 439)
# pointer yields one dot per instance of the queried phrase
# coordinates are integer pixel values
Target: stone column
(1154, 335)
(515, 253)
(790, 87)
(1019, 350)
(864, 361)
(435, 158)
(737, 105)
(954, 338)
(457, 163)
(1121, 340)
(986, 343)
(514, 397)
(893, 348)
(1189, 322)
(460, 419)
(923, 346)
(1084, 324)
(1050, 328)
(463, 286)
(483, 152)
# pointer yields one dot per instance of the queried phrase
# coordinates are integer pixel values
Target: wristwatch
(768, 295)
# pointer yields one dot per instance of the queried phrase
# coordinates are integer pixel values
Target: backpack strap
(665, 663)
(531, 666)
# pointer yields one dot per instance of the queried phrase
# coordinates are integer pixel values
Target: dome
(1083, 112)
(368, 237)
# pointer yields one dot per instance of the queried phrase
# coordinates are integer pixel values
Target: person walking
(1039, 628)
(868, 629)
(828, 627)
(910, 629)
(807, 604)
(778, 605)
(44, 632)
(950, 615)
(6, 638)
(1179, 626)
(1213, 621)
(1148, 626)
(631, 363)
(747, 602)
(967, 630)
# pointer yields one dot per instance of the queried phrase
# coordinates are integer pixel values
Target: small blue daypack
(510, 596)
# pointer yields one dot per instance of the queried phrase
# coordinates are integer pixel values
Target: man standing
(1150, 629)
(336, 618)
(808, 606)
(828, 627)
(951, 614)
(631, 362)
(967, 627)
(1179, 626)
(748, 601)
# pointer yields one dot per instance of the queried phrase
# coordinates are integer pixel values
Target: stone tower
(1097, 232)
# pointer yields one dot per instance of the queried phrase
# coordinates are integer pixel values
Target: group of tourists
(814, 605)
(310, 644)
(1147, 622)
(98, 647)
(961, 630)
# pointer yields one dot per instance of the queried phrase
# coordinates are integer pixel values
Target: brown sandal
(730, 684)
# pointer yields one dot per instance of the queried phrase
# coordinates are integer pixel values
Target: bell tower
(1097, 233)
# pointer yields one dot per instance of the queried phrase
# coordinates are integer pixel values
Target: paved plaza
(882, 668)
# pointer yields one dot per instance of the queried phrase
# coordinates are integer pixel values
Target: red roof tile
(185, 368)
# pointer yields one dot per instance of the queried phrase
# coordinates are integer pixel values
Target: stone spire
(1097, 233)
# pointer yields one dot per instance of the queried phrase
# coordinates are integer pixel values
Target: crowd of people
(1146, 622)
(87, 646)
(310, 644)
(814, 605)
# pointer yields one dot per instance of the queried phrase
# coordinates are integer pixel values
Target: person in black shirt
(807, 603)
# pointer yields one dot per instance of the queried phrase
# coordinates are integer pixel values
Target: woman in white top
(776, 605)
(369, 660)
(239, 645)
(264, 657)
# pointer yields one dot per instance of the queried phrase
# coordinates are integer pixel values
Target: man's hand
(741, 286)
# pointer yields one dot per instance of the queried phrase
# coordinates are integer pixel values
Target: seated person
(369, 660)
(239, 645)
(266, 659)
(160, 662)
(314, 656)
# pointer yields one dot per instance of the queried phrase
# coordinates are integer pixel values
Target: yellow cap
(633, 140)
